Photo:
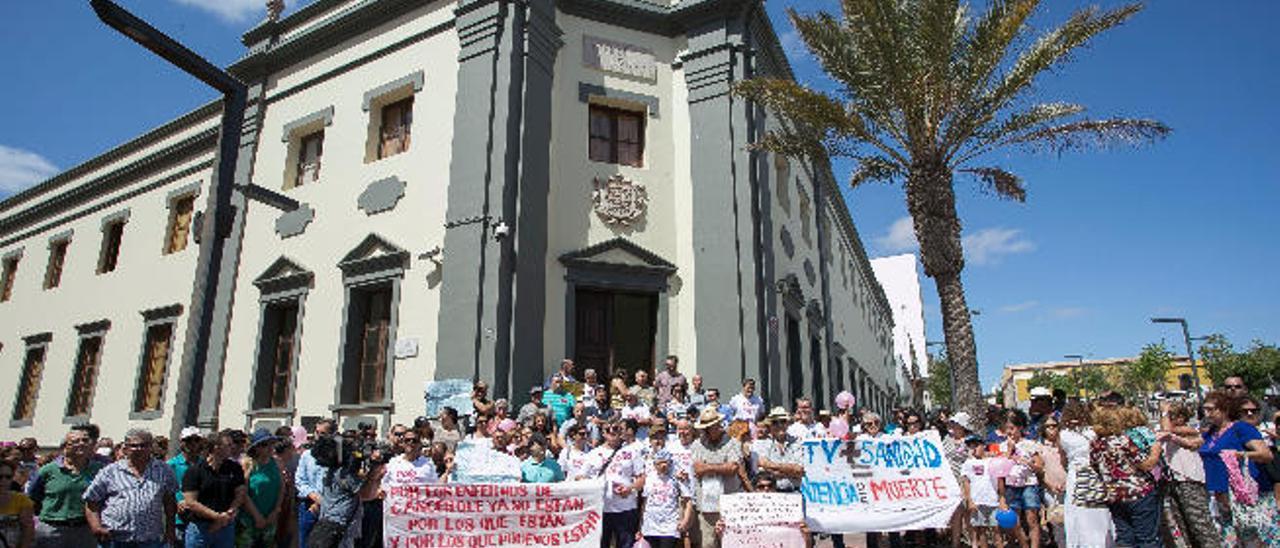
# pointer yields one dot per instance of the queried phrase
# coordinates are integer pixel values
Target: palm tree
(928, 89)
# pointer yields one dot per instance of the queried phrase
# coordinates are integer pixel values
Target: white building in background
(900, 278)
(485, 187)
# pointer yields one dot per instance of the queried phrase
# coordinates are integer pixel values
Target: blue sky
(1185, 227)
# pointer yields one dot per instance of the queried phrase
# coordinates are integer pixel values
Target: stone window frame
(85, 331)
(285, 281)
(294, 133)
(38, 341)
(61, 238)
(120, 218)
(362, 270)
(381, 96)
(189, 190)
(150, 318)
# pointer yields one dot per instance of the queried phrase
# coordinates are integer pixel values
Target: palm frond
(1093, 134)
(813, 117)
(875, 169)
(1050, 50)
(1000, 182)
(979, 55)
(998, 134)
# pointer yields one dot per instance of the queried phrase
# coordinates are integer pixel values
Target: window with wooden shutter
(615, 136)
(57, 258)
(179, 232)
(9, 273)
(85, 376)
(277, 356)
(373, 346)
(154, 362)
(24, 407)
(310, 151)
(397, 121)
(112, 236)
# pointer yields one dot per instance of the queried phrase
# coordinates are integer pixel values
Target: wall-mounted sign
(619, 58)
(406, 348)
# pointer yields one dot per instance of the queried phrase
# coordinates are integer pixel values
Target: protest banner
(477, 462)
(762, 520)
(889, 483)
(566, 514)
(455, 393)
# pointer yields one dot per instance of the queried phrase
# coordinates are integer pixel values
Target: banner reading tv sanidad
(888, 483)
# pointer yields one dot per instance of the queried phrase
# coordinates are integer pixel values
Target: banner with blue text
(887, 483)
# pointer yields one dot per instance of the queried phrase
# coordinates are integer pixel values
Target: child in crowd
(983, 493)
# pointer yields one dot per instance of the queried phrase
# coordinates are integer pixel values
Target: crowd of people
(1072, 473)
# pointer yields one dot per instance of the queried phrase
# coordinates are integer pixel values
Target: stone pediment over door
(618, 262)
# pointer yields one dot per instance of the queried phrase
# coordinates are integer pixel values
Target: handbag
(1089, 489)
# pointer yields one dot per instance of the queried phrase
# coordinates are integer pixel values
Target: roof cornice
(147, 139)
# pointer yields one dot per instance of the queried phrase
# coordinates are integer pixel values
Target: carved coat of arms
(619, 201)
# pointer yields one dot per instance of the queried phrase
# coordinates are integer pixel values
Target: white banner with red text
(479, 515)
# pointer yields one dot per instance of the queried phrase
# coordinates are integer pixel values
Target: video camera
(354, 455)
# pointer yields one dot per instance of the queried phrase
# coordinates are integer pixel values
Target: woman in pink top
(1055, 478)
(1187, 497)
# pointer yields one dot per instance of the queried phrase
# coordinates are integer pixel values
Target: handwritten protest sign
(455, 393)
(762, 520)
(894, 483)
(478, 463)
(566, 514)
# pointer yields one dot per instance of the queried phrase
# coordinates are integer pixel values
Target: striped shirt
(133, 507)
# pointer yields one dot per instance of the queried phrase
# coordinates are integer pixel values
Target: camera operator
(347, 469)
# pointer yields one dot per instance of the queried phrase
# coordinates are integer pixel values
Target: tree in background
(931, 89)
(939, 381)
(1146, 375)
(1259, 366)
(1090, 380)
(1054, 381)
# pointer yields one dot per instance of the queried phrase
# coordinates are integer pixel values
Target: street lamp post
(220, 213)
(1186, 337)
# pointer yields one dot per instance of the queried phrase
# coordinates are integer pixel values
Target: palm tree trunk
(931, 201)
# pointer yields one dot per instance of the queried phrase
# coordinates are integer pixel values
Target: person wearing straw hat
(781, 454)
(717, 464)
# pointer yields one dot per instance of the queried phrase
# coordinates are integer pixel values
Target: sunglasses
(1233, 386)
(1250, 411)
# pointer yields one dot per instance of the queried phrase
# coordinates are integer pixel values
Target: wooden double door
(614, 330)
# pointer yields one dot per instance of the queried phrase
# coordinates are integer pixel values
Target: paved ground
(850, 541)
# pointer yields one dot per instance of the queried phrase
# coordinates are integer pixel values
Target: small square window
(395, 130)
(616, 136)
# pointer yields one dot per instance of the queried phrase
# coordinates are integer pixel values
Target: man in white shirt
(747, 406)
(636, 410)
(411, 466)
(623, 469)
(805, 427)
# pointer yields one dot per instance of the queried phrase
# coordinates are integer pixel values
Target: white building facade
(899, 275)
(485, 187)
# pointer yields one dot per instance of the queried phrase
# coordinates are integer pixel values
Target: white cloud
(234, 11)
(1019, 307)
(900, 237)
(20, 169)
(990, 245)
